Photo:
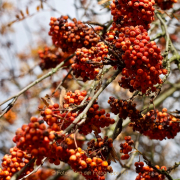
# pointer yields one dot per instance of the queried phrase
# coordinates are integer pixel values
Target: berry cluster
(63, 118)
(124, 108)
(157, 125)
(132, 13)
(74, 98)
(14, 162)
(72, 35)
(126, 147)
(100, 147)
(38, 140)
(165, 4)
(96, 119)
(90, 165)
(51, 57)
(34, 138)
(148, 173)
(88, 61)
(142, 58)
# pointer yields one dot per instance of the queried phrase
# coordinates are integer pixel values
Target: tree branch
(15, 97)
(16, 175)
(83, 114)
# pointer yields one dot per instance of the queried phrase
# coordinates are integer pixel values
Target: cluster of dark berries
(148, 173)
(72, 35)
(51, 57)
(126, 147)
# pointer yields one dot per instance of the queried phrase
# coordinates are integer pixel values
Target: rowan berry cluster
(142, 58)
(90, 167)
(89, 61)
(157, 125)
(96, 119)
(100, 147)
(14, 163)
(165, 4)
(72, 35)
(148, 173)
(126, 147)
(63, 118)
(51, 57)
(124, 108)
(38, 140)
(34, 138)
(132, 13)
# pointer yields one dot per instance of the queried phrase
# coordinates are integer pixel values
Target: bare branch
(15, 97)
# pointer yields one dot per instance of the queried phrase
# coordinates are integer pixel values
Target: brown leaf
(41, 5)
(22, 14)
(17, 16)
(45, 102)
(49, 98)
(61, 97)
(95, 129)
(111, 158)
(118, 128)
(113, 155)
(37, 8)
(27, 11)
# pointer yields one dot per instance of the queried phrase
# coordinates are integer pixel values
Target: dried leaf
(118, 128)
(22, 14)
(27, 11)
(37, 8)
(49, 98)
(41, 5)
(17, 16)
(111, 158)
(113, 155)
(95, 129)
(61, 97)
(45, 102)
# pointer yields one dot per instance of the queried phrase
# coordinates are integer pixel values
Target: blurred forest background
(24, 27)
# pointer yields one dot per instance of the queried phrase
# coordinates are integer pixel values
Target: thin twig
(128, 165)
(148, 162)
(35, 170)
(81, 116)
(15, 97)
(61, 82)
